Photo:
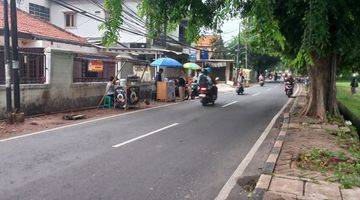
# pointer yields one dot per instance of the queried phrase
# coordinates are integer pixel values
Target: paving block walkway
(290, 187)
(283, 179)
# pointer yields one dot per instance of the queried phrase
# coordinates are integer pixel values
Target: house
(205, 56)
(83, 17)
(54, 67)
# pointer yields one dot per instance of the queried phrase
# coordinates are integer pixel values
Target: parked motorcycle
(194, 90)
(186, 95)
(261, 82)
(239, 88)
(289, 88)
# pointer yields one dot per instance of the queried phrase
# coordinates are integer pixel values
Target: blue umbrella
(166, 62)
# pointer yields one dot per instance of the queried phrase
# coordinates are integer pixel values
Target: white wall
(87, 27)
(24, 4)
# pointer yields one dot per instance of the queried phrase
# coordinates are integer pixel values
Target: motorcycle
(261, 82)
(239, 88)
(208, 93)
(289, 87)
(194, 90)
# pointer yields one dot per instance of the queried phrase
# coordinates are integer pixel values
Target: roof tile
(31, 25)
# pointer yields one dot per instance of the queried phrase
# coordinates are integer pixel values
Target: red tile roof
(29, 24)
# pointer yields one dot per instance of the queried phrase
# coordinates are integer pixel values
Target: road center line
(142, 136)
(229, 185)
(226, 105)
(256, 94)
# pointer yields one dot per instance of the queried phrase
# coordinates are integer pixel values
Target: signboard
(96, 66)
(204, 55)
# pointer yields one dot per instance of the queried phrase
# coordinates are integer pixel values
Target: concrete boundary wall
(60, 92)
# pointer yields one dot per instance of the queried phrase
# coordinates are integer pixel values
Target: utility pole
(238, 55)
(15, 55)
(246, 55)
(238, 48)
(7, 58)
(246, 45)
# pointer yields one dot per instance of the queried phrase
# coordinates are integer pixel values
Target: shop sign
(204, 54)
(96, 66)
(218, 64)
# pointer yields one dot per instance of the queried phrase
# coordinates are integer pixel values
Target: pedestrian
(110, 88)
(354, 84)
(158, 77)
(182, 85)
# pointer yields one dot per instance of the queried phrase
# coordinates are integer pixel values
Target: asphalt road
(183, 151)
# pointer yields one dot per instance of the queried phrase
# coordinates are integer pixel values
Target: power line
(140, 33)
(94, 17)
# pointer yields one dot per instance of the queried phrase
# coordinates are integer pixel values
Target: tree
(219, 49)
(317, 34)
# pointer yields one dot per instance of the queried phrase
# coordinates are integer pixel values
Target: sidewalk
(224, 88)
(311, 160)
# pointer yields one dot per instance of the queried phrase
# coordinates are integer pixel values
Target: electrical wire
(133, 31)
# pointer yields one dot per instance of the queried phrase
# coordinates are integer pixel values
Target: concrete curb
(265, 178)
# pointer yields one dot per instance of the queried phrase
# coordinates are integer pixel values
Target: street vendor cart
(165, 90)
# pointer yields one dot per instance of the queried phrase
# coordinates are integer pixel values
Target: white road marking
(142, 136)
(229, 185)
(256, 94)
(86, 122)
(268, 89)
(226, 105)
(90, 121)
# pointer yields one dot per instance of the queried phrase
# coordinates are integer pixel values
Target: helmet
(208, 69)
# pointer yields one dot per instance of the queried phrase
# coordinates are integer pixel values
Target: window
(81, 71)
(70, 19)
(39, 11)
(32, 66)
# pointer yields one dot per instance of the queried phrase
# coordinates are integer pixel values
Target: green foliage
(352, 102)
(113, 22)
(300, 30)
(163, 15)
(343, 169)
(219, 49)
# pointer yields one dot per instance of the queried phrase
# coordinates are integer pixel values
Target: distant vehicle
(289, 87)
(261, 83)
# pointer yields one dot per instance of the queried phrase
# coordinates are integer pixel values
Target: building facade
(83, 18)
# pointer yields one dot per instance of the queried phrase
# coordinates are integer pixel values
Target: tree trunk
(322, 90)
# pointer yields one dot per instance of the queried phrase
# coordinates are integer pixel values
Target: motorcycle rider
(261, 77)
(290, 79)
(205, 80)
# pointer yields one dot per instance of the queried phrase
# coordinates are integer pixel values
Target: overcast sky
(230, 29)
